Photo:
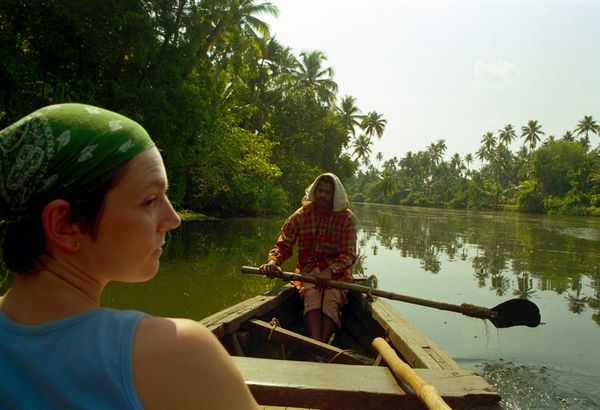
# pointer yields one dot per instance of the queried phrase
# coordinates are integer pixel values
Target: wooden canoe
(264, 335)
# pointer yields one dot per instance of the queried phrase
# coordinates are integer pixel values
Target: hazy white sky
(455, 69)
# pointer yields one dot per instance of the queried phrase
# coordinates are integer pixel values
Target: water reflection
(512, 255)
(508, 253)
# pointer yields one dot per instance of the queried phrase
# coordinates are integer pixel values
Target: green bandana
(62, 148)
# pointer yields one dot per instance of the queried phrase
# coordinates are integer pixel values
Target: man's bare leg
(313, 320)
(327, 328)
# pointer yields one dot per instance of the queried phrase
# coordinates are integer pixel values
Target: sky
(454, 69)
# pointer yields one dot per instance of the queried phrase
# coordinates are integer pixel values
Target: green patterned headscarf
(62, 148)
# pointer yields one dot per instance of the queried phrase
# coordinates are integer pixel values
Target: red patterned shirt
(328, 241)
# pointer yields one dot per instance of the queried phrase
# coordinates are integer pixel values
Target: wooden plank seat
(341, 386)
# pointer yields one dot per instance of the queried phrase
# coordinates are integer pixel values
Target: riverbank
(187, 215)
(592, 211)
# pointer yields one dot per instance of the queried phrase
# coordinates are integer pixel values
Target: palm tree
(436, 151)
(269, 53)
(373, 123)
(488, 141)
(468, 160)
(585, 126)
(531, 133)
(362, 148)
(349, 113)
(507, 135)
(379, 157)
(482, 154)
(456, 163)
(240, 13)
(312, 74)
(440, 145)
(488, 144)
(387, 184)
(568, 136)
(287, 64)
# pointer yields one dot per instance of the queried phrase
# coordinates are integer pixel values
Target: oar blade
(516, 312)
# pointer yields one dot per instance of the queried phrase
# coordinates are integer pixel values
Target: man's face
(324, 194)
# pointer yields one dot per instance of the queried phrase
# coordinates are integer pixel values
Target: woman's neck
(50, 295)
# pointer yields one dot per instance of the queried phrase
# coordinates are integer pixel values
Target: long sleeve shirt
(326, 241)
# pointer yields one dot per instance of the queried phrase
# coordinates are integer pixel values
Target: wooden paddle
(514, 312)
(425, 391)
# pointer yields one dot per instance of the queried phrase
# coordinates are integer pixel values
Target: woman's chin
(145, 276)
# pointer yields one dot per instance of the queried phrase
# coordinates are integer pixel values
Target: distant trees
(373, 124)
(585, 126)
(349, 114)
(556, 176)
(361, 148)
(507, 134)
(531, 133)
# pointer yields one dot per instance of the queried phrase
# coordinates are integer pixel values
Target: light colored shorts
(329, 301)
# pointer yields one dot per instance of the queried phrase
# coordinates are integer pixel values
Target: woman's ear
(58, 230)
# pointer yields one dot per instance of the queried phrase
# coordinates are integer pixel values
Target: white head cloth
(340, 199)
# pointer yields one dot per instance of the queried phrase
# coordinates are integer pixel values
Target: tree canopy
(245, 123)
(242, 121)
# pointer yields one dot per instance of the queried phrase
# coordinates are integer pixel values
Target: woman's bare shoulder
(179, 363)
(165, 333)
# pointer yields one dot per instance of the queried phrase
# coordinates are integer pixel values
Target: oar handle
(425, 391)
(465, 309)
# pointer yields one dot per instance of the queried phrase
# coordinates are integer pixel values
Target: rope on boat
(274, 325)
(340, 353)
(372, 282)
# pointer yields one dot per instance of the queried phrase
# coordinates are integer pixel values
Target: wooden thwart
(337, 386)
(281, 335)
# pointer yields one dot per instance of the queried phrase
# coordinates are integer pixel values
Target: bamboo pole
(426, 392)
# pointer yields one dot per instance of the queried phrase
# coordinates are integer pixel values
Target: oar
(514, 312)
(425, 391)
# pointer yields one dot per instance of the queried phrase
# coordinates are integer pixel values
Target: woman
(83, 202)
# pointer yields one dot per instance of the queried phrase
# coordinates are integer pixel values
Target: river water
(481, 258)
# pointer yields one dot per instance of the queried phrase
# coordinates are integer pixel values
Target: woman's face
(135, 218)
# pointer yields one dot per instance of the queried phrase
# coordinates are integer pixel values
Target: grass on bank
(187, 215)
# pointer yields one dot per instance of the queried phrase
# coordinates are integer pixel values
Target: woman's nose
(171, 219)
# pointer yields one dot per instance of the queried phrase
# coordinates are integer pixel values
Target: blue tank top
(81, 362)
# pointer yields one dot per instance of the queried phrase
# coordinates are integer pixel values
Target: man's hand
(270, 269)
(322, 277)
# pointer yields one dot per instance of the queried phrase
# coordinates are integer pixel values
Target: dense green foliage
(560, 176)
(245, 124)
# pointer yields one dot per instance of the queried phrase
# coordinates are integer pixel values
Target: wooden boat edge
(462, 389)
